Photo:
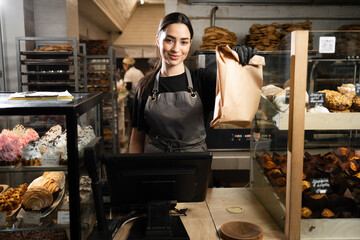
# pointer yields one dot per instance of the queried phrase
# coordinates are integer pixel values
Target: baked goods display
(344, 100)
(56, 48)
(96, 47)
(12, 198)
(214, 36)
(341, 166)
(98, 81)
(12, 143)
(341, 101)
(267, 36)
(23, 146)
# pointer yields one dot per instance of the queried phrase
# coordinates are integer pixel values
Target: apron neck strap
(157, 80)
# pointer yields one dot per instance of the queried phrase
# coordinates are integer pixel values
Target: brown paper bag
(238, 89)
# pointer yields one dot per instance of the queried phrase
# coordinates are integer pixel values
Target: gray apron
(175, 120)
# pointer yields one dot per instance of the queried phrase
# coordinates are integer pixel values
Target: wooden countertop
(204, 218)
(218, 199)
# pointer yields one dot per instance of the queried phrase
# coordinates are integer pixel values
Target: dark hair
(175, 17)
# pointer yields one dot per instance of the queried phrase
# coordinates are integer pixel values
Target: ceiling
(111, 15)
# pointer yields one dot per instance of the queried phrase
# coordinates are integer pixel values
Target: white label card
(327, 44)
(63, 217)
(31, 217)
(52, 160)
(2, 218)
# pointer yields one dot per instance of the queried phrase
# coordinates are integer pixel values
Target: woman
(172, 101)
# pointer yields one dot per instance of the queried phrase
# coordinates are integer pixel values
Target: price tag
(320, 185)
(52, 160)
(287, 97)
(357, 89)
(2, 218)
(327, 44)
(63, 217)
(32, 218)
(317, 99)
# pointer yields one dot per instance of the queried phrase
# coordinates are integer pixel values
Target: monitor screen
(136, 179)
(152, 183)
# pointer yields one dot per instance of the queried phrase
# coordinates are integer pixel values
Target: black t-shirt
(204, 82)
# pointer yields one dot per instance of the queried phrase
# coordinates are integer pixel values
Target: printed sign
(320, 185)
(32, 218)
(317, 99)
(63, 217)
(327, 44)
(357, 89)
(2, 218)
(51, 160)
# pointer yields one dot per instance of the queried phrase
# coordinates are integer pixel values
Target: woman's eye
(184, 42)
(168, 40)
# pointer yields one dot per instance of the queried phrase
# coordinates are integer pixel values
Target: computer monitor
(155, 182)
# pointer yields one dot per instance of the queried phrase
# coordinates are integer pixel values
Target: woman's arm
(137, 141)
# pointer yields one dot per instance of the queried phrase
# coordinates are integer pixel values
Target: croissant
(37, 198)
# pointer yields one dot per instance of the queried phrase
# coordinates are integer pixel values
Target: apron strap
(157, 80)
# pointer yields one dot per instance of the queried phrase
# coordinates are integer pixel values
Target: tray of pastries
(44, 193)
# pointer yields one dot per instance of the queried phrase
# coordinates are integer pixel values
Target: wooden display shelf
(322, 121)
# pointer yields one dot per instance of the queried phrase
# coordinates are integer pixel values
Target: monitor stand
(158, 225)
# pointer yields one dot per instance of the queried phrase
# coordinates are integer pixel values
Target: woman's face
(174, 44)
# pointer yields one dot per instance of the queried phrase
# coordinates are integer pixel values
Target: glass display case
(305, 147)
(45, 188)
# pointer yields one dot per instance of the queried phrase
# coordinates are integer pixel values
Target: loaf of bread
(37, 198)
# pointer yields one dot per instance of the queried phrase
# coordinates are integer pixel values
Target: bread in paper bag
(238, 89)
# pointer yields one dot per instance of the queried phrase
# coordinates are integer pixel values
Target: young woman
(172, 102)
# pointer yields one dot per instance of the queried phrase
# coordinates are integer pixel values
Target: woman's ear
(157, 40)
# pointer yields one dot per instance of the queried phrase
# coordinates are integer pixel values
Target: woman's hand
(245, 53)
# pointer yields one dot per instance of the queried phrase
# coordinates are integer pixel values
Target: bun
(37, 198)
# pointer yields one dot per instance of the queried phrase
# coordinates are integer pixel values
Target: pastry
(11, 198)
(19, 130)
(50, 135)
(347, 89)
(31, 154)
(356, 103)
(327, 213)
(37, 198)
(269, 165)
(336, 101)
(270, 91)
(214, 36)
(305, 185)
(28, 136)
(51, 181)
(306, 212)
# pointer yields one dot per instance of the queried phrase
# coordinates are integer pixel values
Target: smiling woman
(172, 101)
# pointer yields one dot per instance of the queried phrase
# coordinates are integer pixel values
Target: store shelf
(50, 70)
(101, 76)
